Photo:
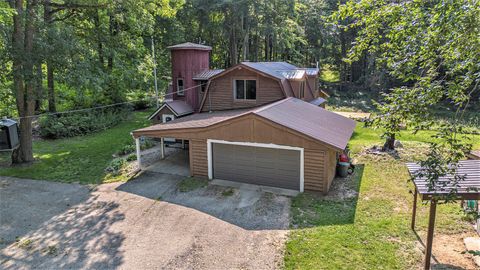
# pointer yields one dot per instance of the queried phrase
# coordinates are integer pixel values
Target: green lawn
(79, 159)
(371, 230)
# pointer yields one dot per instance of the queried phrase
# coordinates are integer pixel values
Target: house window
(245, 89)
(302, 90)
(180, 87)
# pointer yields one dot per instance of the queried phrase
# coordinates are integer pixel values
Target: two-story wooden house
(256, 122)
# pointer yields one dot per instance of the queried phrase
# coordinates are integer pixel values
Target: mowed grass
(78, 159)
(372, 229)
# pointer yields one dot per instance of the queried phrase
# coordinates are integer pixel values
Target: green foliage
(115, 166)
(368, 229)
(81, 123)
(126, 149)
(79, 159)
(130, 147)
(228, 192)
(131, 157)
(434, 49)
(328, 74)
(190, 184)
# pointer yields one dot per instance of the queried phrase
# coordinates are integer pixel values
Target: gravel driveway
(145, 223)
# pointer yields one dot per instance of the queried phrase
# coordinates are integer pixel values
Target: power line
(103, 106)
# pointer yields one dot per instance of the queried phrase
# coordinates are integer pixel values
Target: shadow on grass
(336, 208)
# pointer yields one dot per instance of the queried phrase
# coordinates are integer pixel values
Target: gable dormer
(241, 87)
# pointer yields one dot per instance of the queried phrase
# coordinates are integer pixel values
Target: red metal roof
(198, 120)
(191, 46)
(311, 120)
(303, 117)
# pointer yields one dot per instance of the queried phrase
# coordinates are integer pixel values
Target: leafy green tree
(434, 49)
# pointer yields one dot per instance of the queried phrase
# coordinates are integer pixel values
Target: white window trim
(183, 91)
(244, 90)
(265, 145)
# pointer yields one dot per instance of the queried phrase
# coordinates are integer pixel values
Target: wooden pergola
(467, 188)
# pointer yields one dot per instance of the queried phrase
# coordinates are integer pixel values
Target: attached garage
(288, 144)
(254, 163)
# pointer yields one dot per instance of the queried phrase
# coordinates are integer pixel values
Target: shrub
(126, 149)
(131, 157)
(81, 123)
(115, 166)
(141, 101)
(130, 147)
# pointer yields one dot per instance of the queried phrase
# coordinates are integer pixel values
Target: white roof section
(190, 46)
(281, 70)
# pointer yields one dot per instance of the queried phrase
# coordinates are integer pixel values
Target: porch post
(137, 145)
(414, 210)
(162, 143)
(431, 226)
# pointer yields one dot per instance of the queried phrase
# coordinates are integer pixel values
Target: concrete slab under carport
(176, 162)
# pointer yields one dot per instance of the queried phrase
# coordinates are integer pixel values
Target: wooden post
(162, 143)
(139, 160)
(431, 227)
(414, 210)
(183, 144)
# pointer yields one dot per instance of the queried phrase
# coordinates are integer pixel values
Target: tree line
(68, 54)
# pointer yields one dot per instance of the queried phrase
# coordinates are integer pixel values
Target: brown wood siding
(198, 152)
(318, 169)
(186, 64)
(221, 96)
(314, 170)
(295, 84)
(313, 82)
(157, 119)
(331, 166)
(309, 91)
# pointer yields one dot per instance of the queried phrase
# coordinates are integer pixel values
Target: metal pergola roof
(467, 188)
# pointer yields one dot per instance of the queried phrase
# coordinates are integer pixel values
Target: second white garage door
(257, 165)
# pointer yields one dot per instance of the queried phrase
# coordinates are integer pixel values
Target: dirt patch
(448, 251)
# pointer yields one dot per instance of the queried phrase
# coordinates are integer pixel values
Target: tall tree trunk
(24, 84)
(47, 17)
(38, 86)
(96, 19)
(52, 107)
(113, 33)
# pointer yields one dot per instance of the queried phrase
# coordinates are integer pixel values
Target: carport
(287, 144)
(467, 188)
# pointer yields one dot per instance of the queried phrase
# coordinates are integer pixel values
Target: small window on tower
(180, 87)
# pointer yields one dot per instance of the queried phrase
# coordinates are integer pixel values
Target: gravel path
(142, 224)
